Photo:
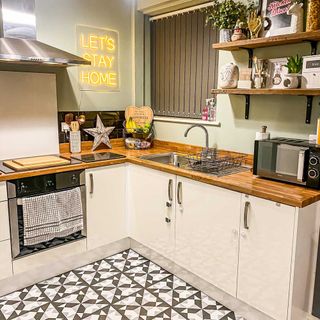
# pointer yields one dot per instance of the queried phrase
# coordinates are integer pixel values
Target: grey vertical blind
(183, 64)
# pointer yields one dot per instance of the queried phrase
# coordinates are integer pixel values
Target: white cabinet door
(152, 219)
(207, 232)
(5, 260)
(266, 240)
(106, 203)
(4, 221)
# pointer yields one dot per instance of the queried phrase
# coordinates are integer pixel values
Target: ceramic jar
(225, 35)
(229, 76)
(313, 15)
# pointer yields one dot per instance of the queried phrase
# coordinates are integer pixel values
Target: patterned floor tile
(125, 286)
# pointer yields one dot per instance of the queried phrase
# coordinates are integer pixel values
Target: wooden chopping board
(35, 162)
(140, 115)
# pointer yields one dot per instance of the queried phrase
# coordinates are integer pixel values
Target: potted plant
(224, 16)
(293, 78)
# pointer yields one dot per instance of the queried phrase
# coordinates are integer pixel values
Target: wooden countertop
(243, 182)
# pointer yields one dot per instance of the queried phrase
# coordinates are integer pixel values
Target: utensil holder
(75, 141)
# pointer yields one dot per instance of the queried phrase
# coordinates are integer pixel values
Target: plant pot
(225, 35)
(292, 80)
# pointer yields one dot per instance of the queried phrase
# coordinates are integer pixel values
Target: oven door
(283, 162)
(17, 230)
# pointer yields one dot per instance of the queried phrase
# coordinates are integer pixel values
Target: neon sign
(100, 47)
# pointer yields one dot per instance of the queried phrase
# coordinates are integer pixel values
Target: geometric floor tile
(124, 286)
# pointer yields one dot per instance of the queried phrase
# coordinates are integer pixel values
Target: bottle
(212, 110)
(263, 134)
(205, 112)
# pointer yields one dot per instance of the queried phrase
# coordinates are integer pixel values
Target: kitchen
(202, 208)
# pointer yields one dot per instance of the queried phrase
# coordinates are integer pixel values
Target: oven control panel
(39, 185)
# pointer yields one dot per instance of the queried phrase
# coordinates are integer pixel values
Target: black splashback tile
(109, 119)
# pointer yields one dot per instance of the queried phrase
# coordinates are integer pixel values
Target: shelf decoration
(293, 78)
(277, 71)
(229, 76)
(277, 13)
(311, 72)
(260, 72)
(238, 32)
(100, 134)
(225, 15)
(254, 24)
(296, 12)
(313, 15)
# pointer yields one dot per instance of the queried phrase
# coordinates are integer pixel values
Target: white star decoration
(100, 134)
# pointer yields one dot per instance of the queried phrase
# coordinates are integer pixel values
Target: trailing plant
(294, 64)
(224, 14)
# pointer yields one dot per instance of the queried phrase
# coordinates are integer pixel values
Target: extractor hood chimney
(18, 43)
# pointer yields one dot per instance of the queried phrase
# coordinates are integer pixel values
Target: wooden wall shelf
(312, 37)
(289, 92)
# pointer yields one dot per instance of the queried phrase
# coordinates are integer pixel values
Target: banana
(131, 126)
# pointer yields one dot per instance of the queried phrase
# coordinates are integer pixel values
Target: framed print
(277, 72)
(276, 12)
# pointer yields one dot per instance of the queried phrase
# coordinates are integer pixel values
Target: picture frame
(276, 12)
(277, 72)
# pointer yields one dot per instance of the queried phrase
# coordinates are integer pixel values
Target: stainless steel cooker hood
(18, 43)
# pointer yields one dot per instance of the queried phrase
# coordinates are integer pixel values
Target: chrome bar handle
(179, 193)
(245, 218)
(91, 183)
(170, 192)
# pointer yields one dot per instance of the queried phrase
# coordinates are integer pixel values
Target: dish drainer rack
(213, 161)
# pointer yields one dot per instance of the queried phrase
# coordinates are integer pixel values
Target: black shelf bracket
(309, 109)
(247, 107)
(314, 47)
(250, 53)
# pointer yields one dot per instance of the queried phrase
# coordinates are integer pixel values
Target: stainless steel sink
(172, 158)
(181, 161)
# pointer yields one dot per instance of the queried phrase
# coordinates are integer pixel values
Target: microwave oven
(289, 160)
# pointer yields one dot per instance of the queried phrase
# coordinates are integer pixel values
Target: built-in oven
(290, 160)
(35, 186)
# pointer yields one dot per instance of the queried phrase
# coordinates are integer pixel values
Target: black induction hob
(93, 157)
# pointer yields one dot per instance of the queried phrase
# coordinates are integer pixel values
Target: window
(183, 64)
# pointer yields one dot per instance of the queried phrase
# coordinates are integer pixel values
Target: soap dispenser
(263, 134)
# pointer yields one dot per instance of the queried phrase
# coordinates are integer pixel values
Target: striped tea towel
(52, 215)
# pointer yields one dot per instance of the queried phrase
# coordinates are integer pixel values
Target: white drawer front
(5, 260)
(4, 221)
(3, 191)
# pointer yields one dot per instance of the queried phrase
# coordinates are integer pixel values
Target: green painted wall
(56, 26)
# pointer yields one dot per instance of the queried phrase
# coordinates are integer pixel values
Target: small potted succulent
(293, 78)
(224, 16)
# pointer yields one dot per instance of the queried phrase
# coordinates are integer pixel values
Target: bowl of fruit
(138, 128)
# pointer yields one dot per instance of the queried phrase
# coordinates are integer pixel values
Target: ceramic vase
(229, 76)
(225, 35)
